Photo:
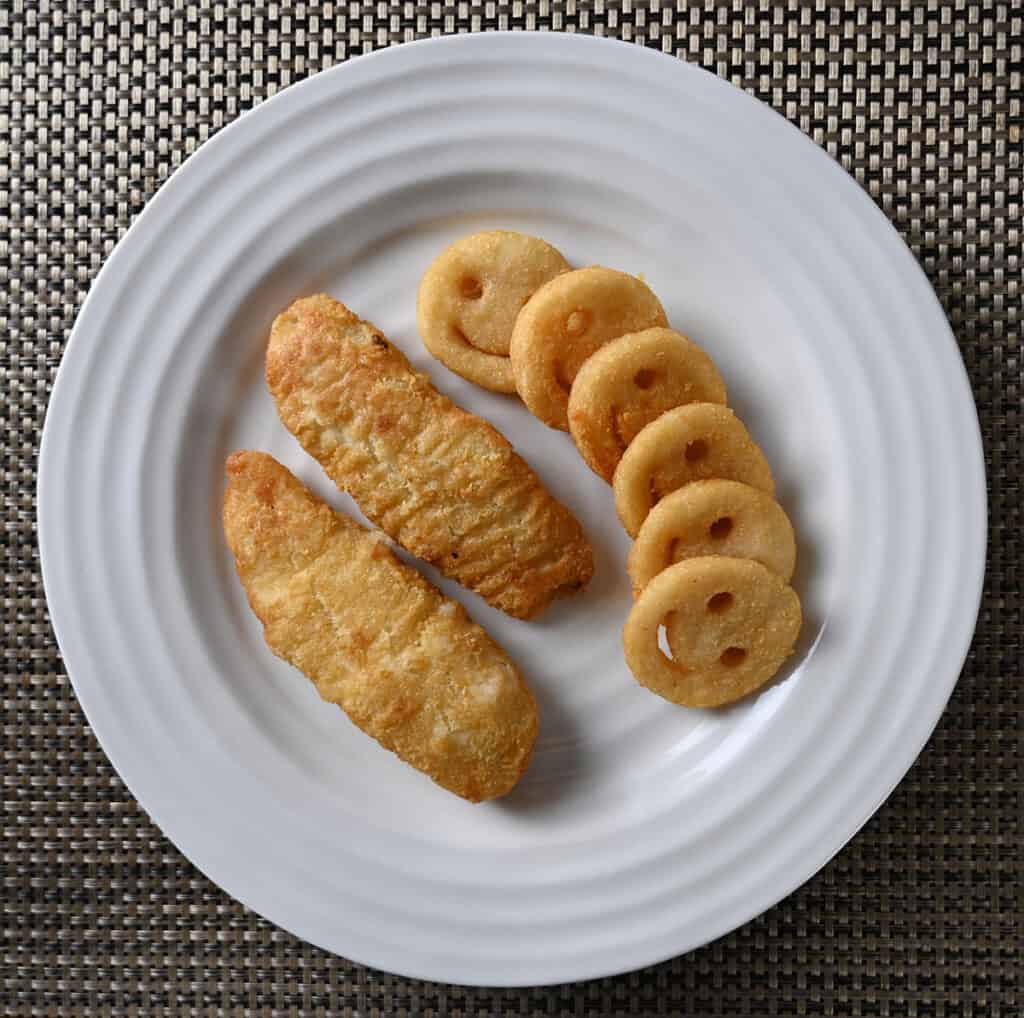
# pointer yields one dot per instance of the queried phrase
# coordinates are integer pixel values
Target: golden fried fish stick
(406, 664)
(438, 479)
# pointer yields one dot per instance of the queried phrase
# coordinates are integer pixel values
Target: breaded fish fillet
(440, 480)
(406, 664)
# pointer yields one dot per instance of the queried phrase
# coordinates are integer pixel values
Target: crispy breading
(406, 664)
(439, 480)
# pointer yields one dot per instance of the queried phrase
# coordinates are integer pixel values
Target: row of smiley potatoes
(589, 351)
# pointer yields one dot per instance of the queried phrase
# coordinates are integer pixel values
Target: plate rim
(58, 613)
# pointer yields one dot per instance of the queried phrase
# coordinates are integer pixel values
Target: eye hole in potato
(696, 450)
(720, 603)
(721, 528)
(733, 657)
(645, 378)
(577, 323)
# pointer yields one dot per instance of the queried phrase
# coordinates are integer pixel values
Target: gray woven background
(99, 102)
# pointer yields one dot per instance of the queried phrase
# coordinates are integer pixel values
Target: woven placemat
(100, 101)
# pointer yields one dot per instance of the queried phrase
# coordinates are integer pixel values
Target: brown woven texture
(919, 100)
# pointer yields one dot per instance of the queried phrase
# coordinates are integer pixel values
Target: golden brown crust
(713, 517)
(730, 624)
(439, 480)
(694, 442)
(469, 298)
(630, 382)
(566, 321)
(406, 664)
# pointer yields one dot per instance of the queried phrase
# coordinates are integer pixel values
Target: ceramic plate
(641, 830)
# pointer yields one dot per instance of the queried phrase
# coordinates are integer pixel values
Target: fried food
(713, 518)
(440, 481)
(690, 443)
(730, 624)
(630, 382)
(469, 298)
(406, 664)
(564, 323)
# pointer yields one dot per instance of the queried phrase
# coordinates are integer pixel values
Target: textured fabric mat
(100, 101)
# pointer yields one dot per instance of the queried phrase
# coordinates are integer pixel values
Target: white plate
(641, 829)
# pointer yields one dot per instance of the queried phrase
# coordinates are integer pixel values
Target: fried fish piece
(439, 480)
(406, 664)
